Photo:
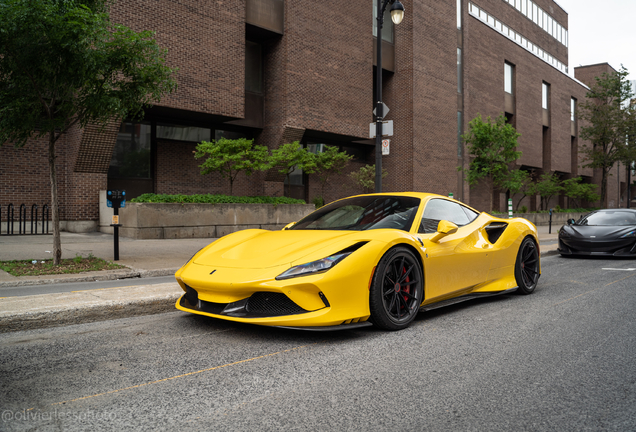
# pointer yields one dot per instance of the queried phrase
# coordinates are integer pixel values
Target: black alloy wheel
(527, 266)
(397, 290)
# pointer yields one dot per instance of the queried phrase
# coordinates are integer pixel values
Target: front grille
(272, 304)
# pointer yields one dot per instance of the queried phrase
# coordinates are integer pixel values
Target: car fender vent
(495, 230)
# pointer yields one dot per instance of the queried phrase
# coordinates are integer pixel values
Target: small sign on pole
(387, 128)
(386, 143)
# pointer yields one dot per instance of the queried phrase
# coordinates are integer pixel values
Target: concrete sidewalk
(141, 258)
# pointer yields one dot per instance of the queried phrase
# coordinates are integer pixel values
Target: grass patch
(214, 199)
(67, 266)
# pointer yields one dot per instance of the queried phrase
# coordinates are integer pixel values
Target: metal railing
(9, 221)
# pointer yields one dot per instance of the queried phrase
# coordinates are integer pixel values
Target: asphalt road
(561, 359)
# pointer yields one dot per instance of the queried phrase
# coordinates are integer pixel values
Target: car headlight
(630, 234)
(319, 266)
(563, 233)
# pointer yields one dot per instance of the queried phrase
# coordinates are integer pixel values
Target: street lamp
(397, 14)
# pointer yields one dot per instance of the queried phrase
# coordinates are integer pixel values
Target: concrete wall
(175, 220)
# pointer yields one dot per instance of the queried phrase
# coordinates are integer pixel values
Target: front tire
(527, 266)
(397, 290)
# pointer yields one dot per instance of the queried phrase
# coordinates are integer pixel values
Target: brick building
(280, 70)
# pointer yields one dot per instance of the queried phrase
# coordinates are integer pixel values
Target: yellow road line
(183, 375)
(596, 289)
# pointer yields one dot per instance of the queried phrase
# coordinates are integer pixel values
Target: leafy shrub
(213, 199)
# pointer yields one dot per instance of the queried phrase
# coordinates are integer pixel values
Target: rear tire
(527, 266)
(397, 290)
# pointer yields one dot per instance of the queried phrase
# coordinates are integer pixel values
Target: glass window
(544, 22)
(535, 14)
(253, 67)
(218, 134)
(131, 155)
(387, 25)
(609, 218)
(315, 148)
(550, 25)
(506, 30)
(363, 213)
(491, 21)
(545, 88)
(182, 133)
(508, 71)
(440, 209)
(459, 14)
(472, 215)
(524, 9)
(559, 32)
(518, 5)
(572, 109)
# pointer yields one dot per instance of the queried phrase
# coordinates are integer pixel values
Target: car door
(458, 261)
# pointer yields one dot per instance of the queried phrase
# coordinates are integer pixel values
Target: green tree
(492, 147)
(518, 182)
(63, 64)
(325, 164)
(365, 177)
(546, 187)
(579, 192)
(609, 124)
(232, 156)
(287, 158)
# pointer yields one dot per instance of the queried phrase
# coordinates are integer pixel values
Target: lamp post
(397, 14)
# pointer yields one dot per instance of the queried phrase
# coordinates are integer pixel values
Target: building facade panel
(205, 41)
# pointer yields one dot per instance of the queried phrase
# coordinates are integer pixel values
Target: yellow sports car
(368, 259)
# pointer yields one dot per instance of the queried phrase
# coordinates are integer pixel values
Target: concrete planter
(174, 220)
(558, 219)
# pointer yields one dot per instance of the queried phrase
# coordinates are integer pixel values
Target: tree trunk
(604, 172)
(57, 244)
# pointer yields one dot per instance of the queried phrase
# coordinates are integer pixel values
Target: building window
(508, 77)
(253, 67)
(572, 109)
(218, 134)
(131, 155)
(459, 14)
(387, 26)
(545, 90)
(182, 133)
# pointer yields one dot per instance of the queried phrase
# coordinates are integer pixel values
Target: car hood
(598, 231)
(257, 249)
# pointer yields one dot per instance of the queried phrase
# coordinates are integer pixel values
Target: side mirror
(444, 228)
(289, 225)
(570, 221)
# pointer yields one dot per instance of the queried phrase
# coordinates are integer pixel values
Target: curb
(87, 314)
(92, 277)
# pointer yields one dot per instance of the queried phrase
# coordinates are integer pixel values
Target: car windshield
(363, 213)
(611, 218)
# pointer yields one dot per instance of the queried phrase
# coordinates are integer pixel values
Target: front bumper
(339, 296)
(617, 247)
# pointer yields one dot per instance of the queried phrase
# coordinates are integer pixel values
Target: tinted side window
(441, 209)
(471, 214)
